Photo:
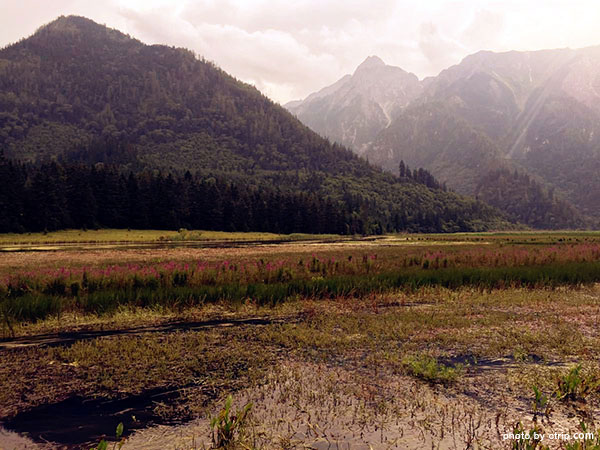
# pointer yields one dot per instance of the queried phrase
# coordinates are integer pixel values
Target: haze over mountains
(477, 123)
(79, 92)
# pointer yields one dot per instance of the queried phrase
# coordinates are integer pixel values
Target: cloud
(292, 16)
(272, 59)
(485, 31)
(287, 45)
(439, 50)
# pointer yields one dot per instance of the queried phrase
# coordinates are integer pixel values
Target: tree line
(55, 196)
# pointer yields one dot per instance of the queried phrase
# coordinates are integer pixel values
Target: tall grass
(30, 302)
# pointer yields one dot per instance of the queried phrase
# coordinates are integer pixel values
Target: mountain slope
(540, 108)
(78, 91)
(431, 136)
(75, 80)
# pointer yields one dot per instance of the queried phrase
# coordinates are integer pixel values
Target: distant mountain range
(79, 92)
(533, 114)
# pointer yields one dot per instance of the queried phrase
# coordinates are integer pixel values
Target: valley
(392, 262)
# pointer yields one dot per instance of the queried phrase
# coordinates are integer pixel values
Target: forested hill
(75, 80)
(78, 91)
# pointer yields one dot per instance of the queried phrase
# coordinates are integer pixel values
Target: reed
(34, 300)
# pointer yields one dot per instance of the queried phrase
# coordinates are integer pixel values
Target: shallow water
(81, 422)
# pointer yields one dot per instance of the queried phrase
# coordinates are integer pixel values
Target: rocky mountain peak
(358, 106)
(370, 63)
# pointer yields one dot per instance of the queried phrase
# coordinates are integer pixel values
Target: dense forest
(74, 81)
(54, 196)
(537, 207)
(77, 94)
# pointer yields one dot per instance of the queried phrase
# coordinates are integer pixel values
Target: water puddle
(81, 422)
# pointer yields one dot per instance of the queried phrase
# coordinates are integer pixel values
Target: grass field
(120, 236)
(405, 341)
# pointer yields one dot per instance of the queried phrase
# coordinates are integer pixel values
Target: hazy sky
(290, 48)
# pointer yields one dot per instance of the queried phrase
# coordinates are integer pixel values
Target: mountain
(467, 159)
(541, 111)
(79, 92)
(534, 112)
(355, 108)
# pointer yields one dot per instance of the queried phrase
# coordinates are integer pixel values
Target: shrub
(429, 369)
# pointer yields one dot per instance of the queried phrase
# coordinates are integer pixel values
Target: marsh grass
(31, 301)
(380, 336)
(103, 444)
(81, 236)
(228, 426)
(198, 364)
(577, 385)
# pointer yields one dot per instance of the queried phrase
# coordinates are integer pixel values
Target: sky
(290, 48)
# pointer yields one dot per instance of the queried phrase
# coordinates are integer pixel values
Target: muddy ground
(330, 377)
